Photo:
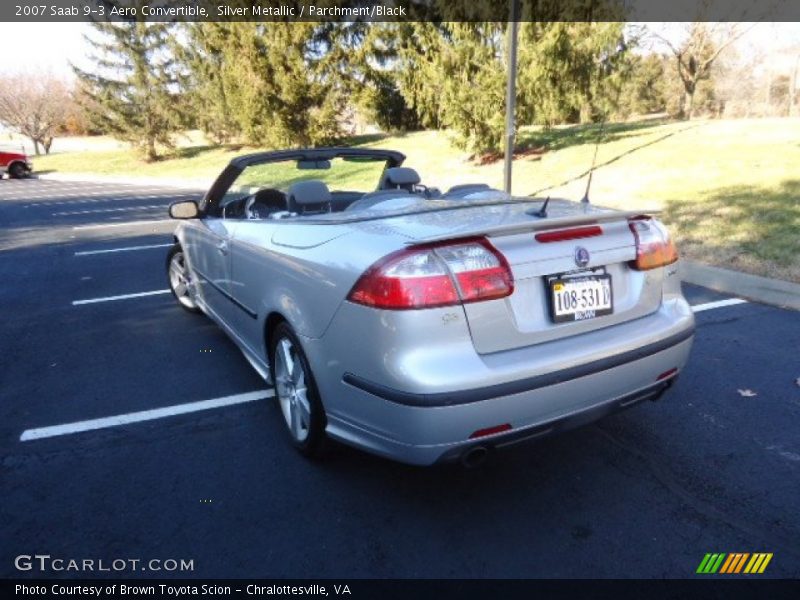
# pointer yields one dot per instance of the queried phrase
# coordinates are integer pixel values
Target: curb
(776, 292)
(179, 184)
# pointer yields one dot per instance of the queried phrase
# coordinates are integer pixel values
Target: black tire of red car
(315, 443)
(17, 171)
(189, 305)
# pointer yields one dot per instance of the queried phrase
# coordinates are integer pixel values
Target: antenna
(542, 212)
(605, 65)
(585, 199)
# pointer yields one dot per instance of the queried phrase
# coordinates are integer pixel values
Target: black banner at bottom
(390, 589)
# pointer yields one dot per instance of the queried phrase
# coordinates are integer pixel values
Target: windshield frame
(210, 205)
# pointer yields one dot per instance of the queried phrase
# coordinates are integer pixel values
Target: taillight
(654, 246)
(435, 275)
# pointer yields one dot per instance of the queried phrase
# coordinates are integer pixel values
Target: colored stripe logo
(734, 563)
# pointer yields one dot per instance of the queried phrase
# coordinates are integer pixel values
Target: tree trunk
(152, 155)
(688, 105)
(48, 142)
(36, 146)
(586, 113)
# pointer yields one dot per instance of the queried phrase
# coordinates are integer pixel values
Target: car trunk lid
(603, 239)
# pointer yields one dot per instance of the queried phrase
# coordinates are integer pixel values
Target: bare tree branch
(35, 105)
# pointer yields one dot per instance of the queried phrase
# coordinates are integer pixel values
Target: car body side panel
(206, 243)
(304, 285)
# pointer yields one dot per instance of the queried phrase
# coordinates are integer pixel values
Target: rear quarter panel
(302, 272)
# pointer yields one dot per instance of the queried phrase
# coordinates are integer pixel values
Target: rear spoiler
(540, 224)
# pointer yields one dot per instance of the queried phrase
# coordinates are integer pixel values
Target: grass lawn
(730, 190)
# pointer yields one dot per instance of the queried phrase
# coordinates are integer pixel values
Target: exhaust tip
(474, 457)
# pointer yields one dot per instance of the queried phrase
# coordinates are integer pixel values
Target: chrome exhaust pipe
(474, 457)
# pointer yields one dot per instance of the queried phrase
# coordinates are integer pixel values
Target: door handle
(223, 247)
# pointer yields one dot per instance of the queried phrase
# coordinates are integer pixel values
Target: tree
(201, 56)
(132, 94)
(278, 84)
(569, 71)
(696, 55)
(414, 52)
(472, 78)
(385, 106)
(644, 89)
(35, 105)
(452, 76)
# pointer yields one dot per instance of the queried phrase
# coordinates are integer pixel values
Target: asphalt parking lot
(88, 333)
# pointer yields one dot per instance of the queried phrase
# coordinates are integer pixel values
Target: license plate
(580, 298)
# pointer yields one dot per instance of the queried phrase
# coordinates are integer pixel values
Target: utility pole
(511, 89)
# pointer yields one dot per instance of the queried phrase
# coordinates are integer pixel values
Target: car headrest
(312, 191)
(400, 177)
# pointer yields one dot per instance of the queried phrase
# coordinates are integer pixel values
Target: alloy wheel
(292, 390)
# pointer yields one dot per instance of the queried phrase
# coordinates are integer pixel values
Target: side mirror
(185, 209)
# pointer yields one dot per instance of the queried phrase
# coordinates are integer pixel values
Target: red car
(15, 163)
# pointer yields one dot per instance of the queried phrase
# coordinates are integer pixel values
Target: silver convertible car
(427, 325)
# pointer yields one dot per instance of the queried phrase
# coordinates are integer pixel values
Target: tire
(17, 171)
(297, 394)
(180, 280)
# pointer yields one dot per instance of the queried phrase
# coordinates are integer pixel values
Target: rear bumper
(519, 386)
(420, 402)
(427, 435)
(565, 423)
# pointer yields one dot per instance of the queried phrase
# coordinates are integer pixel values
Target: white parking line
(718, 304)
(126, 249)
(93, 211)
(100, 197)
(144, 415)
(126, 224)
(121, 297)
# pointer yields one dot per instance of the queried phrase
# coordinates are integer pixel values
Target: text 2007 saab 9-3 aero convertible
(428, 326)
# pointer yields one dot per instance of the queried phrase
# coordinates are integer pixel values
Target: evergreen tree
(414, 48)
(201, 57)
(276, 84)
(132, 94)
(644, 90)
(453, 76)
(569, 71)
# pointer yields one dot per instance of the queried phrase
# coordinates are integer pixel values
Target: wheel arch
(270, 323)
